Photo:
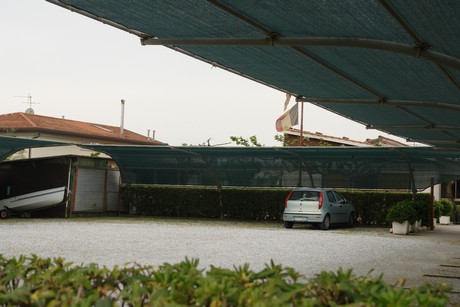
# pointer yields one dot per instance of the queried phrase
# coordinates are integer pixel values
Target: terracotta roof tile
(369, 142)
(319, 136)
(31, 122)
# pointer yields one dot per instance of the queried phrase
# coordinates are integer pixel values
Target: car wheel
(326, 223)
(4, 214)
(351, 220)
(288, 224)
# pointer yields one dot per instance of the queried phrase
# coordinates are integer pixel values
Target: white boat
(34, 201)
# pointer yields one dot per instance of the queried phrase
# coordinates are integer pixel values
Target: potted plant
(446, 208)
(401, 215)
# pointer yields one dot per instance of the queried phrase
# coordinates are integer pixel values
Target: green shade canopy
(393, 65)
(407, 168)
(10, 145)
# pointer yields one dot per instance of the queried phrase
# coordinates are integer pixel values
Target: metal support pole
(411, 174)
(431, 215)
(301, 124)
(299, 181)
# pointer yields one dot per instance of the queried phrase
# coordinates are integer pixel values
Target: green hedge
(172, 201)
(373, 207)
(249, 203)
(35, 281)
(206, 202)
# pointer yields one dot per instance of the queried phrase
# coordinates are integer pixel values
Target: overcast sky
(79, 68)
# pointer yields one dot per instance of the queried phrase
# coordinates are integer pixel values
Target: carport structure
(391, 65)
(409, 168)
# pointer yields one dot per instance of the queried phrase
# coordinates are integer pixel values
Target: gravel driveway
(110, 241)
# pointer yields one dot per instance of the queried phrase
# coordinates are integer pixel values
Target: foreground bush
(35, 281)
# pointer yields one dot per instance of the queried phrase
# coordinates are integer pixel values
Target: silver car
(321, 207)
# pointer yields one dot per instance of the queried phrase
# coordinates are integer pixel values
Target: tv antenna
(30, 102)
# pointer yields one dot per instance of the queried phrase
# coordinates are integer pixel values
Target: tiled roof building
(292, 138)
(31, 125)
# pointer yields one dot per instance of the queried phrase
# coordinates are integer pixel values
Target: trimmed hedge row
(373, 206)
(247, 203)
(35, 281)
(205, 202)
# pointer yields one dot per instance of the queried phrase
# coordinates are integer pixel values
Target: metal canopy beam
(339, 72)
(418, 41)
(403, 23)
(391, 102)
(231, 11)
(416, 115)
(449, 76)
(434, 141)
(413, 127)
(409, 50)
(273, 35)
(426, 120)
(411, 172)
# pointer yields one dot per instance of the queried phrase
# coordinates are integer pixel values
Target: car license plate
(300, 219)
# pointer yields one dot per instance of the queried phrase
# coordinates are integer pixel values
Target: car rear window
(304, 195)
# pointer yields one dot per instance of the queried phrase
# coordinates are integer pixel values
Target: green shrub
(34, 281)
(443, 207)
(456, 217)
(403, 211)
(447, 207)
(437, 209)
(422, 206)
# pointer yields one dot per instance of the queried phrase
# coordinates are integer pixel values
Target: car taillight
(320, 204)
(287, 198)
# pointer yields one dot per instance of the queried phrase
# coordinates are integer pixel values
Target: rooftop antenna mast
(30, 102)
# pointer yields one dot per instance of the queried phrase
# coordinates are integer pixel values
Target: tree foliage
(250, 142)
